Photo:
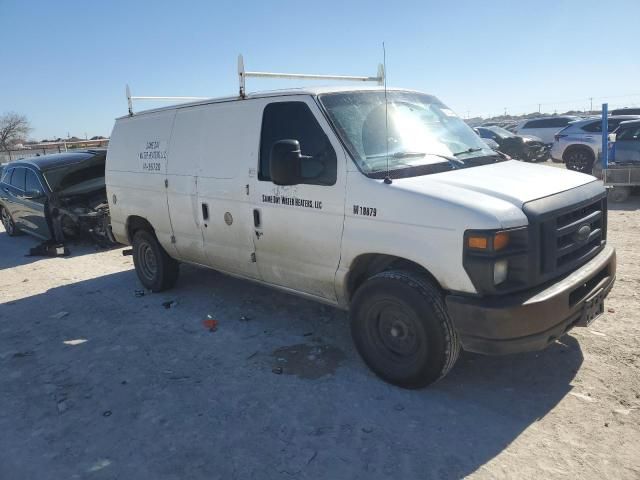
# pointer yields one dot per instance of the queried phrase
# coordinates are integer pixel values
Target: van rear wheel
(156, 270)
(401, 329)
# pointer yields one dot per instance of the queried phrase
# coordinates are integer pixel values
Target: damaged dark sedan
(57, 197)
(527, 148)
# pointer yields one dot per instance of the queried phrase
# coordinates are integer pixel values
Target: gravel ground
(96, 382)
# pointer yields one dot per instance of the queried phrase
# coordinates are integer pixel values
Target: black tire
(156, 270)
(619, 194)
(401, 329)
(579, 160)
(8, 223)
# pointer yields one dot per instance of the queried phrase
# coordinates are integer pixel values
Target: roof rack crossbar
(243, 74)
(131, 98)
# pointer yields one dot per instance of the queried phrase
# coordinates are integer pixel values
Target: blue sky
(66, 63)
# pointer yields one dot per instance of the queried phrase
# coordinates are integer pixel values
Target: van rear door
(136, 174)
(298, 229)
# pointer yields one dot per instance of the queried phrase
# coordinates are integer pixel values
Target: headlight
(497, 261)
(500, 270)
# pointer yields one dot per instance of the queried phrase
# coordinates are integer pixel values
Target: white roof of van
(271, 93)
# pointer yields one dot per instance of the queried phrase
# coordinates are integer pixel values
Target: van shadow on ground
(152, 393)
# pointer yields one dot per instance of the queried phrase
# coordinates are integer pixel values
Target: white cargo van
(382, 203)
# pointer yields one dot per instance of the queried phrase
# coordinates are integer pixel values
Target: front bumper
(532, 320)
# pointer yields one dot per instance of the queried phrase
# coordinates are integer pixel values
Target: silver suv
(544, 128)
(579, 144)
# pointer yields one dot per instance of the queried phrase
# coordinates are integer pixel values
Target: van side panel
(135, 174)
(228, 138)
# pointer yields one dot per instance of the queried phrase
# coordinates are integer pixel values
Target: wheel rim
(147, 261)
(579, 160)
(7, 222)
(394, 331)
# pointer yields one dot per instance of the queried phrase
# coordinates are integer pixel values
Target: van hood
(513, 181)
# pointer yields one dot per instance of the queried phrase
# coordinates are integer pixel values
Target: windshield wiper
(455, 162)
(470, 150)
(404, 154)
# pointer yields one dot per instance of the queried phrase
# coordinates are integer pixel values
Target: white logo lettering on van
(153, 156)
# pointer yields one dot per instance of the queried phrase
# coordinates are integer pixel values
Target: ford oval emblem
(583, 233)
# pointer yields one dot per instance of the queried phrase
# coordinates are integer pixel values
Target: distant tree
(14, 128)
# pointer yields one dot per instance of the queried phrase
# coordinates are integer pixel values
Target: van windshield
(422, 135)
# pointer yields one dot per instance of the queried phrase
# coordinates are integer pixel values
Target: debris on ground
(77, 341)
(582, 397)
(62, 406)
(277, 370)
(611, 310)
(210, 324)
(245, 318)
(50, 248)
(170, 304)
(139, 293)
(106, 413)
(59, 315)
(308, 334)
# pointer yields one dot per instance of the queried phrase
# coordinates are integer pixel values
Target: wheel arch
(366, 265)
(577, 147)
(135, 223)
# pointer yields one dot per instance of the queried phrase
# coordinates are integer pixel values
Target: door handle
(256, 217)
(205, 212)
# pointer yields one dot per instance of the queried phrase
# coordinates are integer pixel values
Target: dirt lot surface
(96, 382)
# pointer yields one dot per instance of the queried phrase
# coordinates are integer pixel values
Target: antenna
(387, 178)
(243, 74)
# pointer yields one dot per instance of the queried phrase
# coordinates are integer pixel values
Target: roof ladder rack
(243, 74)
(131, 98)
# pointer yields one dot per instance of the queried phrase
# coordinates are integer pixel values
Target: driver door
(298, 229)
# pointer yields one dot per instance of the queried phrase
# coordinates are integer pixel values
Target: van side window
(17, 179)
(295, 121)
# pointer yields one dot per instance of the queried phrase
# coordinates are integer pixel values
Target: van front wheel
(401, 329)
(156, 270)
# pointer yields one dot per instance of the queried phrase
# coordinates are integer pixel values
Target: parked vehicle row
(580, 144)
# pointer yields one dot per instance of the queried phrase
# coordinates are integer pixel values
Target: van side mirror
(612, 137)
(285, 162)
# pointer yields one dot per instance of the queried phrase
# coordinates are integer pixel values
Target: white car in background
(544, 128)
(579, 144)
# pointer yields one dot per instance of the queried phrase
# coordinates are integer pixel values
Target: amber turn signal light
(478, 242)
(500, 241)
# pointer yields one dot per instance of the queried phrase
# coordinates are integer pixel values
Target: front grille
(573, 236)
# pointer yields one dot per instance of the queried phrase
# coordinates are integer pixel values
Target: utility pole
(539, 108)
(505, 111)
(590, 104)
